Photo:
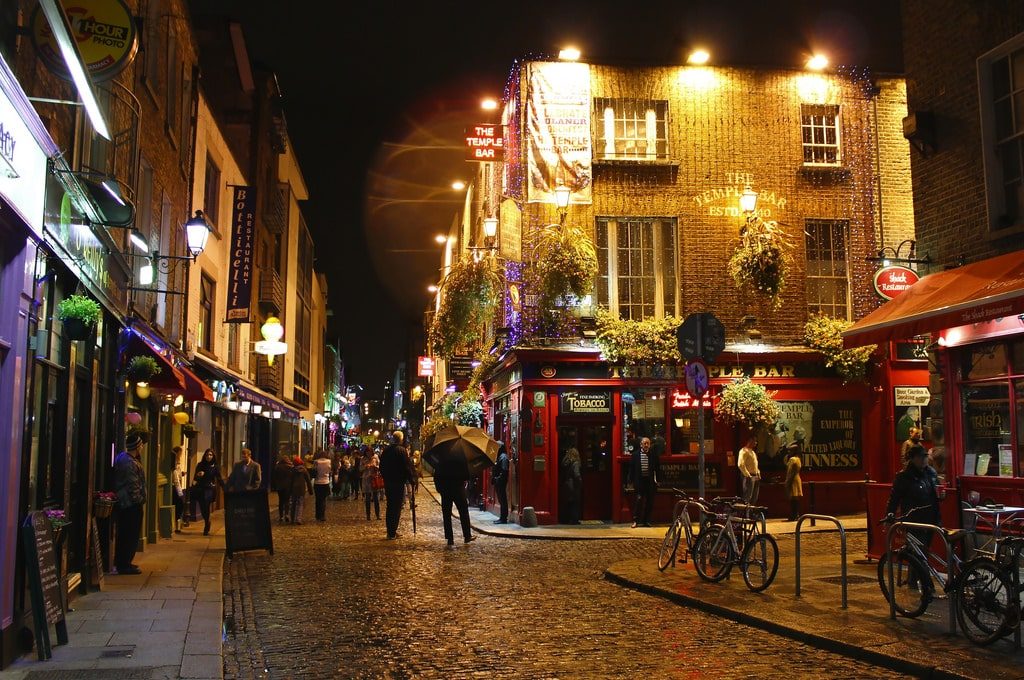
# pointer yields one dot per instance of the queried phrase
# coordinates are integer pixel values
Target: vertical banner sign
(243, 228)
(558, 128)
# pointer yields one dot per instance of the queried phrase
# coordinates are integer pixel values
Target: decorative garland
(761, 260)
(825, 334)
(469, 296)
(650, 341)
(566, 262)
(743, 402)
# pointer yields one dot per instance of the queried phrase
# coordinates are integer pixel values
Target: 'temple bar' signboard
(485, 142)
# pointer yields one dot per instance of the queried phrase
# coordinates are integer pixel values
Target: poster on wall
(558, 131)
(1005, 460)
(827, 432)
(910, 409)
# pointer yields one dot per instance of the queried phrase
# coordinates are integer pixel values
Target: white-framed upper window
(819, 131)
(637, 266)
(630, 129)
(1001, 88)
(828, 270)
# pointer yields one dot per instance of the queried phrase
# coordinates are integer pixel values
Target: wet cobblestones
(338, 600)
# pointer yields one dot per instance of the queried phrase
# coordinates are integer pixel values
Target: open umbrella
(456, 444)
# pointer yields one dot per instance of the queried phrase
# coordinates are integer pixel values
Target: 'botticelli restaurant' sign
(891, 281)
(586, 403)
(243, 227)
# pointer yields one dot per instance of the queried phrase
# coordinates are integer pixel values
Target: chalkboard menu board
(44, 581)
(247, 521)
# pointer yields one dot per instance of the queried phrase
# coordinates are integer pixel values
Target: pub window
(645, 416)
(206, 298)
(992, 404)
(819, 129)
(1001, 91)
(234, 345)
(827, 281)
(630, 129)
(637, 267)
(211, 192)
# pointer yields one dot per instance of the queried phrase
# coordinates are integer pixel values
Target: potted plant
(103, 504)
(761, 260)
(79, 314)
(142, 368)
(469, 295)
(566, 263)
(743, 402)
(825, 334)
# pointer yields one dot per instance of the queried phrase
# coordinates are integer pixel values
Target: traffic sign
(696, 378)
(701, 336)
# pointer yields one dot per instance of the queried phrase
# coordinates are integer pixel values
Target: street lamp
(271, 345)
(748, 201)
(197, 231)
(562, 196)
(490, 227)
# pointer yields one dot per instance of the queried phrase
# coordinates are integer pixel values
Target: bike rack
(842, 550)
(931, 528)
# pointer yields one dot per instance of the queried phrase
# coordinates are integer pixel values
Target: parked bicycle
(682, 525)
(738, 536)
(984, 589)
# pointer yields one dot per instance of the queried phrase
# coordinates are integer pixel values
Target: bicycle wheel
(911, 581)
(985, 601)
(760, 562)
(669, 545)
(713, 554)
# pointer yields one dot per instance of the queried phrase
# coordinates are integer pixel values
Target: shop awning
(195, 388)
(980, 291)
(169, 378)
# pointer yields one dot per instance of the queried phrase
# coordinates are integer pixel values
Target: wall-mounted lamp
(490, 227)
(197, 231)
(748, 200)
(142, 390)
(271, 345)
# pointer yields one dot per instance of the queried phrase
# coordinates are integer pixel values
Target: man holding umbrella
(395, 469)
(457, 453)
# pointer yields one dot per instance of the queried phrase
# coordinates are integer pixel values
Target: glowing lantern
(271, 345)
(142, 390)
(180, 417)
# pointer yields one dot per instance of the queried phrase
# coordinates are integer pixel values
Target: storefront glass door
(593, 500)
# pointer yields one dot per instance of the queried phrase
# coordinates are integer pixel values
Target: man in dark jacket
(282, 481)
(246, 475)
(644, 467)
(450, 477)
(395, 469)
(915, 490)
(499, 477)
(130, 486)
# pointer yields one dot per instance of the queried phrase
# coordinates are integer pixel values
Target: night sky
(377, 95)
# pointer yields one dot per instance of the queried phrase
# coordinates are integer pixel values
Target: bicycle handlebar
(890, 517)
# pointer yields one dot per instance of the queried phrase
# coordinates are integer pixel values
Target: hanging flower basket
(469, 296)
(142, 368)
(825, 334)
(746, 403)
(566, 262)
(79, 315)
(761, 260)
(103, 504)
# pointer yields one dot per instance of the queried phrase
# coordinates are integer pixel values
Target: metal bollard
(842, 549)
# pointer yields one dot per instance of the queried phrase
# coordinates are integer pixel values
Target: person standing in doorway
(282, 481)
(130, 487)
(322, 468)
(178, 488)
(572, 481)
(794, 485)
(749, 470)
(246, 475)
(302, 486)
(396, 470)
(644, 468)
(207, 479)
(499, 477)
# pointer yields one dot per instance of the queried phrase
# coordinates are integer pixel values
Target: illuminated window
(819, 127)
(206, 298)
(630, 129)
(1001, 80)
(637, 266)
(828, 274)
(211, 192)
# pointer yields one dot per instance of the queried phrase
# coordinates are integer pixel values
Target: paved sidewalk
(163, 623)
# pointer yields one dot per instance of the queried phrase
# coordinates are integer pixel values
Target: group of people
(750, 474)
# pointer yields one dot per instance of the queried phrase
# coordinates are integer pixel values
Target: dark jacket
(211, 474)
(395, 466)
(301, 482)
(244, 478)
(653, 464)
(499, 475)
(916, 488)
(129, 481)
(282, 478)
(450, 471)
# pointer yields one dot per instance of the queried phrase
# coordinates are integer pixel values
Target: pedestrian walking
(345, 475)
(355, 474)
(130, 487)
(643, 470)
(178, 488)
(749, 471)
(301, 487)
(794, 485)
(450, 477)
(321, 483)
(246, 475)
(369, 467)
(207, 478)
(572, 482)
(396, 469)
(499, 478)
(282, 481)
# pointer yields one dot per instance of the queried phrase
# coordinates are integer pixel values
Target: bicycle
(735, 540)
(680, 527)
(981, 586)
(991, 604)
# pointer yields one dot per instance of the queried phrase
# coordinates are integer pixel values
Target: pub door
(593, 442)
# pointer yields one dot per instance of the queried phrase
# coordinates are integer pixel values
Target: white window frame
(995, 200)
(811, 280)
(612, 248)
(615, 115)
(809, 114)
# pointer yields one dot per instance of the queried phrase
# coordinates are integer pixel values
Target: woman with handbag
(372, 482)
(207, 478)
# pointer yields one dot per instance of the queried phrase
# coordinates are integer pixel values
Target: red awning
(195, 388)
(169, 378)
(981, 291)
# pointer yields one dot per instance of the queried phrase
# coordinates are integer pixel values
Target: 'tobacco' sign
(485, 142)
(891, 281)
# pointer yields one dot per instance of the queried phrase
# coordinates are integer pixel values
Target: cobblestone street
(338, 600)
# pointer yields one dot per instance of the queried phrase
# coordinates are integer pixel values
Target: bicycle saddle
(955, 535)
